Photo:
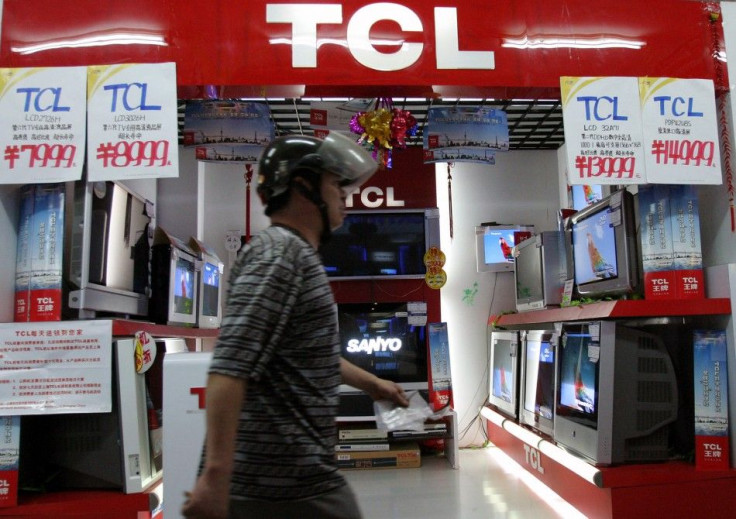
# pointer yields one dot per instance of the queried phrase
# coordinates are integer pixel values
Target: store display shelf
(84, 504)
(623, 309)
(128, 328)
(671, 489)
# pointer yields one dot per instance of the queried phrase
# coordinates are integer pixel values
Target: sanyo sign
(305, 40)
(374, 345)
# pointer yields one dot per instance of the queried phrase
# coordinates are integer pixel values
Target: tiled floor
(488, 485)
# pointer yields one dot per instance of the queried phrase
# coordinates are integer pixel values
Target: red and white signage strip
(260, 43)
(132, 122)
(42, 128)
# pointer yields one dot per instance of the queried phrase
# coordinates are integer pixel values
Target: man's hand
(387, 390)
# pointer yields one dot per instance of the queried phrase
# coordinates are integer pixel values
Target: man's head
(313, 167)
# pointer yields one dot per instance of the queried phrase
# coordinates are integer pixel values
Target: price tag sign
(42, 129)
(603, 133)
(681, 140)
(132, 121)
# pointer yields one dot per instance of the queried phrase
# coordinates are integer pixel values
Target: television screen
(578, 386)
(503, 375)
(210, 289)
(503, 390)
(494, 244)
(539, 378)
(380, 338)
(584, 195)
(594, 246)
(184, 286)
(379, 243)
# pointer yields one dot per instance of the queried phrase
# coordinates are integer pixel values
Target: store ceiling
(533, 124)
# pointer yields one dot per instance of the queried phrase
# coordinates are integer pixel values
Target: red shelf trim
(619, 309)
(129, 328)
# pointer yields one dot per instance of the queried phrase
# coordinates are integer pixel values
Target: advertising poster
(465, 134)
(54, 368)
(440, 383)
(9, 453)
(132, 128)
(603, 133)
(227, 130)
(680, 125)
(711, 400)
(42, 129)
(326, 116)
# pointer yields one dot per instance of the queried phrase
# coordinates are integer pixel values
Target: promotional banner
(9, 457)
(227, 130)
(42, 128)
(132, 122)
(680, 125)
(53, 368)
(326, 116)
(603, 133)
(465, 134)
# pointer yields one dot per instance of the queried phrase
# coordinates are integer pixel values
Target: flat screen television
(381, 244)
(540, 271)
(503, 387)
(382, 339)
(616, 393)
(537, 385)
(115, 450)
(494, 244)
(603, 247)
(209, 308)
(107, 234)
(174, 285)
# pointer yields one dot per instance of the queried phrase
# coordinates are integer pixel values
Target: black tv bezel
(418, 382)
(628, 259)
(431, 238)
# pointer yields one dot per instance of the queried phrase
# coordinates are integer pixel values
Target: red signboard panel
(531, 43)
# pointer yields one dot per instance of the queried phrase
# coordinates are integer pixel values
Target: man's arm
(377, 388)
(211, 494)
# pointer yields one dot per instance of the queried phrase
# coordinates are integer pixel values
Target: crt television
(603, 247)
(503, 387)
(540, 271)
(494, 244)
(383, 339)
(616, 393)
(537, 384)
(174, 285)
(381, 244)
(116, 450)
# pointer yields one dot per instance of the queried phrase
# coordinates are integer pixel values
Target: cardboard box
(402, 455)
(657, 252)
(39, 255)
(686, 245)
(711, 400)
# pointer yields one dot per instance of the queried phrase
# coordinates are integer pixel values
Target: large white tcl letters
(304, 19)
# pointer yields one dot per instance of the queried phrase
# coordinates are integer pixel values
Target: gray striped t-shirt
(279, 331)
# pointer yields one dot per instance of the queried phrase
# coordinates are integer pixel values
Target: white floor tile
(487, 485)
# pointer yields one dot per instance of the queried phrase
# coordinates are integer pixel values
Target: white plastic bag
(393, 417)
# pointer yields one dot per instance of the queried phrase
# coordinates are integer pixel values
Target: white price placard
(132, 121)
(42, 128)
(681, 141)
(603, 133)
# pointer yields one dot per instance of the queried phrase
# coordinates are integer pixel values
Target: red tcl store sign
(501, 49)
